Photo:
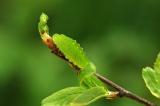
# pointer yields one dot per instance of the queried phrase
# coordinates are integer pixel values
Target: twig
(123, 92)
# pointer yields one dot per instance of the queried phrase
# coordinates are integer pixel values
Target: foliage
(91, 88)
(74, 96)
(118, 36)
(151, 77)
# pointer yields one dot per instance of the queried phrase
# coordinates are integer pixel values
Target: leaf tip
(42, 25)
(43, 18)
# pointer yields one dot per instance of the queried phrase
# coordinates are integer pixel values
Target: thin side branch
(123, 92)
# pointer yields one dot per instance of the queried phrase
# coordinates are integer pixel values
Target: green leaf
(71, 50)
(89, 96)
(42, 25)
(87, 77)
(152, 78)
(157, 64)
(75, 96)
(63, 97)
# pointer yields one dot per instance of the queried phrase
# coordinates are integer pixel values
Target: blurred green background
(119, 36)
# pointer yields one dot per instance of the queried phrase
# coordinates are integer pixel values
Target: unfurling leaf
(152, 78)
(87, 77)
(42, 25)
(71, 50)
(74, 96)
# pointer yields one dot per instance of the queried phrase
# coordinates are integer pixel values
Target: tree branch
(123, 92)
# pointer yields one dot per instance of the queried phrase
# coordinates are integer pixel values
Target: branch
(121, 91)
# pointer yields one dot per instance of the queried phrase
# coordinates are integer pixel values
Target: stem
(123, 92)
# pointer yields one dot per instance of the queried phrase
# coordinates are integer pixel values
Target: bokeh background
(119, 36)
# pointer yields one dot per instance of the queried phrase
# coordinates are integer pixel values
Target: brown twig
(121, 91)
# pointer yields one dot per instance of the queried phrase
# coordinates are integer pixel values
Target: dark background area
(119, 36)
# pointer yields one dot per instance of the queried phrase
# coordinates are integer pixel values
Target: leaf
(74, 96)
(152, 78)
(71, 50)
(89, 96)
(63, 97)
(87, 77)
(157, 64)
(42, 25)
